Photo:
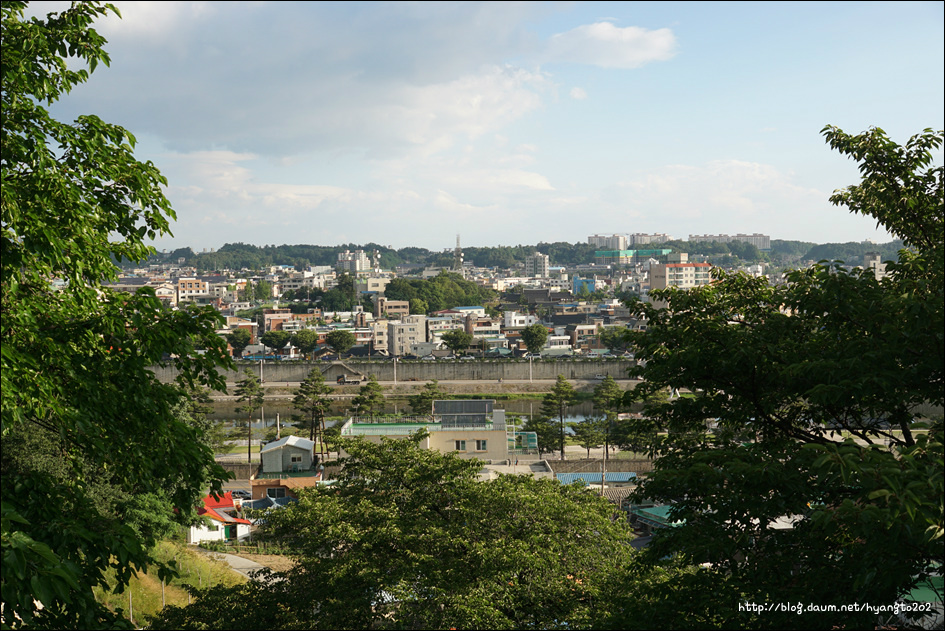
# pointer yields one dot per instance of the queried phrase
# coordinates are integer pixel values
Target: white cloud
(608, 46)
(578, 94)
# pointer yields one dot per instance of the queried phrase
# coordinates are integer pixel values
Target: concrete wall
(473, 370)
(240, 470)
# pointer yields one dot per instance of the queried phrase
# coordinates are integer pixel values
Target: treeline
(441, 292)
(236, 256)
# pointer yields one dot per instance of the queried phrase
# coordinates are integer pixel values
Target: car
(243, 495)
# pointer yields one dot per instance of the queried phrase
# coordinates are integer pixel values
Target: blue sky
(507, 123)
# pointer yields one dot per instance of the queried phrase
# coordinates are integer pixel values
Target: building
(290, 454)
(191, 288)
(679, 272)
(536, 265)
(873, 261)
(760, 241)
(471, 429)
(626, 257)
(403, 336)
(612, 242)
(224, 521)
(646, 239)
(384, 307)
(353, 262)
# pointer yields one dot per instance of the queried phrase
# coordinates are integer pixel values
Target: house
(290, 454)
(223, 521)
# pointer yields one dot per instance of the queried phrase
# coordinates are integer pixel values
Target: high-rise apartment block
(353, 262)
(760, 241)
(613, 242)
(536, 266)
(646, 239)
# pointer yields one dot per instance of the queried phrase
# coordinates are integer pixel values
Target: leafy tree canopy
(777, 372)
(340, 340)
(75, 363)
(457, 340)
(275, 340)
(409, 538)
(535, 336)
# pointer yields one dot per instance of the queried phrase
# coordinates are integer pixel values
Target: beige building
(403, 336)
(679, 272)
(471, 429)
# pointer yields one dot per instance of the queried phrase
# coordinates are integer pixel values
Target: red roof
(225, 501)
(221, 516)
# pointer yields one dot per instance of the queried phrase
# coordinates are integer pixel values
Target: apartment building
(679, 272)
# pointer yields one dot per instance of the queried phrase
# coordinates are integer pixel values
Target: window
(296, 458)
(460, 445)
(275, 492)
(481, 445)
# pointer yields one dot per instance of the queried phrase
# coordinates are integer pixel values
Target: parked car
(243, 495)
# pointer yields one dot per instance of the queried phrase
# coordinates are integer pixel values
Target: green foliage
(444, 291)
(777, 372)
(239, 339)
(76, 361)
(311, 399)
(546, 431)
(589, 433)
(608, 401)
(250, 393)
(340, 340)
(615, 339)
(535, 337)
(194, 407)
(276, 340)
(305, 340)
(370, 399)
(422, 402)
(457, 340)
(555, 405)
(409, 538)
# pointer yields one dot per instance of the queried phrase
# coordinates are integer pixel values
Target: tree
(457, 340)
(410, 538)
(370, 399)
(305, 340)
(422, 402)
(546, 433)
(340, 340)
(239, 339)
(535, 337)
(250, 393)
(194, 407)
(778, 372)
(76, 362)
(589, 433)
(263, 291)
(608, 400)
(311, 399)
(555, 405)
(276, 340)
(614, 338)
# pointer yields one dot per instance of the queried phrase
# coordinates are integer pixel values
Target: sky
(407, 124)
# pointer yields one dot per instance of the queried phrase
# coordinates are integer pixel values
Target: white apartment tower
(536, 266)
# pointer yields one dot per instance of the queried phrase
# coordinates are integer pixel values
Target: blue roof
(591, 478)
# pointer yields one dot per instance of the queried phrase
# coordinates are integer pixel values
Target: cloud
(608, 46)
(578, 94)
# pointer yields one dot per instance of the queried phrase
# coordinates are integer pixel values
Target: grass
(241, 449)
(194, 569)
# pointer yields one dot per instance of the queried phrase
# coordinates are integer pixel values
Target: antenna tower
(458, 257)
